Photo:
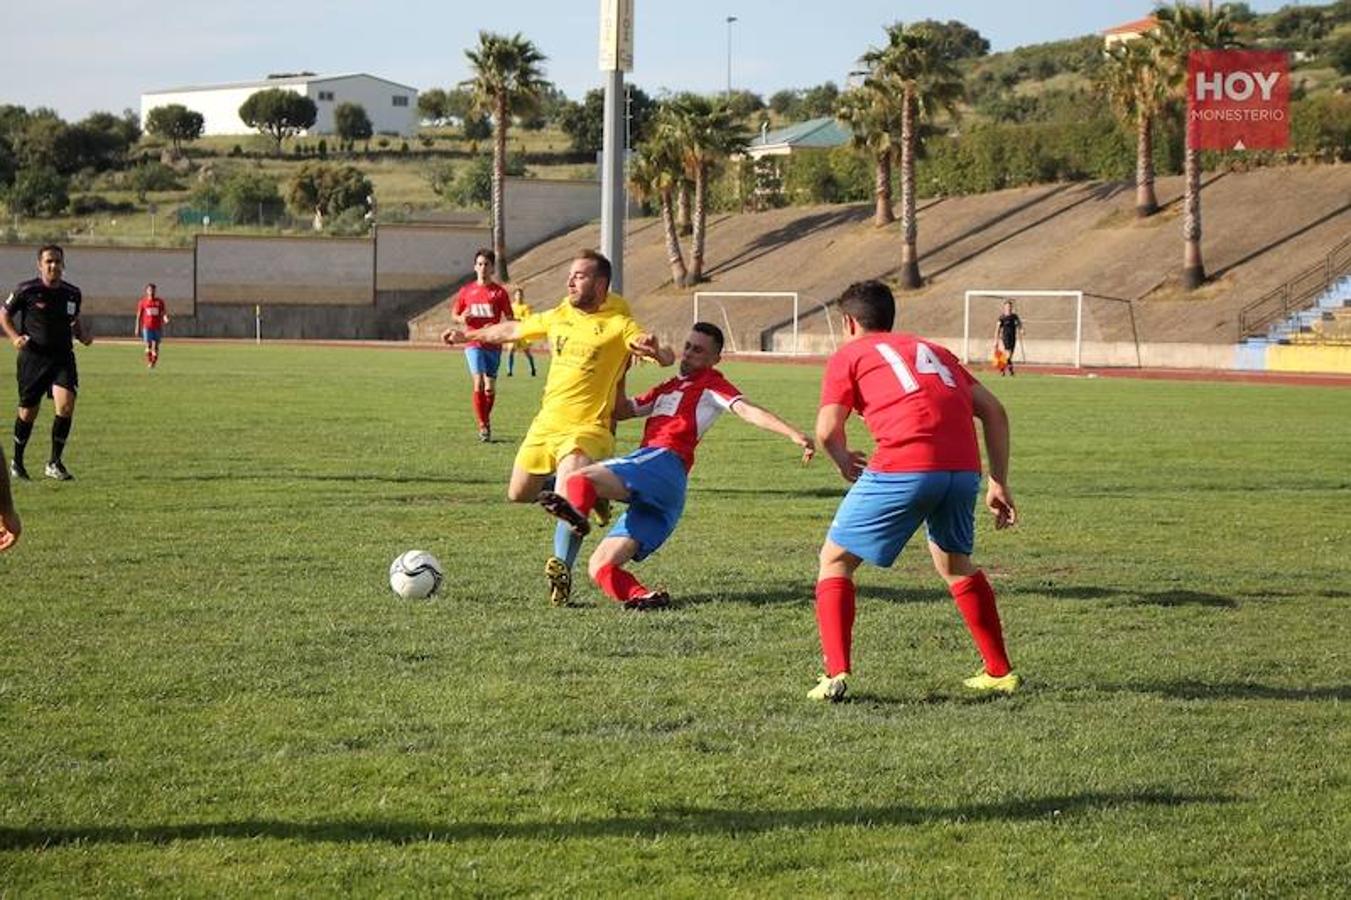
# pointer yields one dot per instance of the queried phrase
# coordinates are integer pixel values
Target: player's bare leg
(834, 619)
(567, 545)
(481, 406)
(606, 569)
(975, 600)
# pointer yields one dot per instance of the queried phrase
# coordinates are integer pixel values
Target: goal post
(1057, 334)
(758, 321)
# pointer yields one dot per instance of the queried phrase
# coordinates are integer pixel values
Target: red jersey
(481, 305)
(683, 408)
(915, 398)
(151, 312)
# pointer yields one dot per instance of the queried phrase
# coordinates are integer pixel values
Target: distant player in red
(481, 303)
(918, 403)
(151, 317)
(653, 478)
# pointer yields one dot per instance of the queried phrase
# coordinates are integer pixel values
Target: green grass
(206, 687)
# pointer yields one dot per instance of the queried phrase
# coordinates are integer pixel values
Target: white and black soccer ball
(415, 575)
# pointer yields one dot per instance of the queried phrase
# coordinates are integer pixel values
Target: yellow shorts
(545, 444)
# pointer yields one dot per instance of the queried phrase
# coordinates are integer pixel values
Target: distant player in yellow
(591, 335)
(519, 310)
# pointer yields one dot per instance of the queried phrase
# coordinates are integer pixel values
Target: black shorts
(38, 372)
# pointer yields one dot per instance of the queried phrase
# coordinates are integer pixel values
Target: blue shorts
(883, 509)
(656, 480)
(483, 361)
(151, 336)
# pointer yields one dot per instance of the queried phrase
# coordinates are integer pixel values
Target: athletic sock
(566, 544)
(581, 493)
(479, 413)
(511, 363)
(22, 430)
(975, 601)
(618, 583)
(60, 431)
(530, 359)
(835, 622)
(489, 398)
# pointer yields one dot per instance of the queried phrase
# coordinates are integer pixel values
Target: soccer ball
(415, 575)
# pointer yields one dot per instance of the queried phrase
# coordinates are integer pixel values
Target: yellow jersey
(520, 310)
(590, 353)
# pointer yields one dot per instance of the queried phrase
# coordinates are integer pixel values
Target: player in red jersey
(918, 402)
(481, 303)
(151, 317)
(653, 478)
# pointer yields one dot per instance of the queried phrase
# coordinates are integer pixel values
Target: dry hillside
(1260, 229)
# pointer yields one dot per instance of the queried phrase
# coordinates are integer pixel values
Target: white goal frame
(731, 336)
(1015, 294)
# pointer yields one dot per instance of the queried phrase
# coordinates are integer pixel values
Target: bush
(331, 189)
(89, 204)
(247, 196)
(472, 186)
(152, 176)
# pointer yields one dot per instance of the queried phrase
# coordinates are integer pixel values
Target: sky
(78, 56)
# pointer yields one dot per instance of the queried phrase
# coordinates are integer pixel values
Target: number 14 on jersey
(926, 363)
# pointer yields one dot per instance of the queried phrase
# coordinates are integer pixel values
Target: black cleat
(55, 470)
(17, 471)
(658, 599)
(556, 505)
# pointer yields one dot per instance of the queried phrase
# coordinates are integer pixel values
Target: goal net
(768, 321)
(1052, 322)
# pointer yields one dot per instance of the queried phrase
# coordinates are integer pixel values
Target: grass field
(206, 687)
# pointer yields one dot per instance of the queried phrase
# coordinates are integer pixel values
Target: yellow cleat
(560, 581)
(987, 683)
(830, 689)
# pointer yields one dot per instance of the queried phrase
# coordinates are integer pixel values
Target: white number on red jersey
(480, 310)
(667, 404)
(926, 363)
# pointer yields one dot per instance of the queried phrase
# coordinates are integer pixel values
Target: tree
(328, 189)
(874, 117)
(703, 133)
(744, 103)
(1183, 28)
(508, 80)
(352, 123)
(1138, 93)
(176, 123)
(959, 40)
(38, 191)
(914, 67)
(431, 106)
(584, 123)
(278, 112)
(654, 172)
(819, 101)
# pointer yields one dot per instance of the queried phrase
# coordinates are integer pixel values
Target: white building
(391, 107)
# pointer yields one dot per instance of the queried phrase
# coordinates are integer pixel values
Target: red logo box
(1238, 99)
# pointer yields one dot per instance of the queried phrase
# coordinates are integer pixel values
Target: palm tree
(704, 132)
(915, 67)
(653, 173)
(1138, 93)
(1182, 29)
(507, 81)
(874, 117)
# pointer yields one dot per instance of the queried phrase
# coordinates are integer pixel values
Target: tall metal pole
(730, 20)
(612, 194)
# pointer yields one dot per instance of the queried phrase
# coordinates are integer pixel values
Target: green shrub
(38, 191)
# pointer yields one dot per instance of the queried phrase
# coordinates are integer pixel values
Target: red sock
(835, 621)
(581, 493)
(975, 600)
(618, 583)
(488, 398)
(480, 413)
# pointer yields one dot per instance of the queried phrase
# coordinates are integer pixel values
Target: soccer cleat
(485, 434)
(986, 683)
(17, 471)
(560, 581)
(556, 505)
(658, 599)
(830, 688)
(55, 470)
(602, 512)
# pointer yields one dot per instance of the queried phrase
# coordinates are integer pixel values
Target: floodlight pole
(616, 58)
(730, 20)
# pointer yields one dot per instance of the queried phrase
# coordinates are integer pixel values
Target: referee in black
(42, 320)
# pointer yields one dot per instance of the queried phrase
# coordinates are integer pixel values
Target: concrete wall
(425, 257)
(290, 271)
(540, 208)
(111, 279)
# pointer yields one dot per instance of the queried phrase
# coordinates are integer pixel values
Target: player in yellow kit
(519, 310)
(590, 335)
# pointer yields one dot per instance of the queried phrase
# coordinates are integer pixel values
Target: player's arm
(647, 345)
(10, 526)
(136, 329)
(763, 418)
(994, 422)
(831, 437)
(7, 323)
(82, 334)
